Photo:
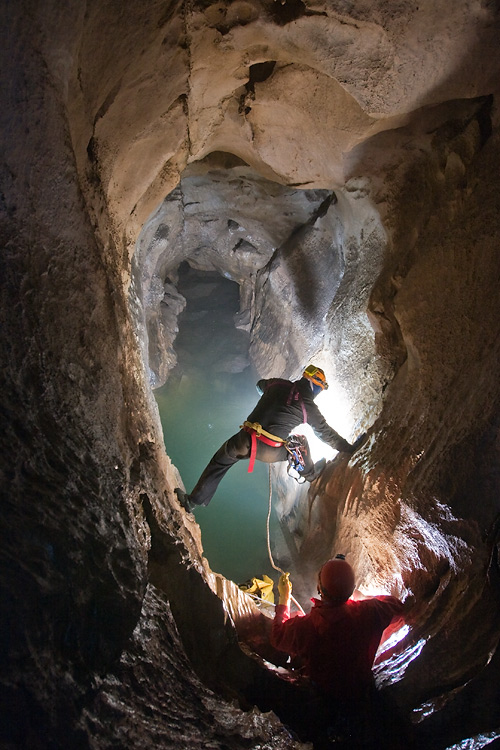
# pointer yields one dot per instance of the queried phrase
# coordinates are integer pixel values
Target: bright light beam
(335, 407)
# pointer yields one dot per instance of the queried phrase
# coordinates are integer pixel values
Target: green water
(200, 407)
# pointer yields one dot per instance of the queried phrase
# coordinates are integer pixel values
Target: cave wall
(417, 508)
(102, 111)
(83, 461)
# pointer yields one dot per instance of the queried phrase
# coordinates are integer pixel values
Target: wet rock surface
(362, 146)
(171, 706)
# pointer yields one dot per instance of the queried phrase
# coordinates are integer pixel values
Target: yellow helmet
(316, 376)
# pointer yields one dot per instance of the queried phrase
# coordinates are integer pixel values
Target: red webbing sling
(256, 431)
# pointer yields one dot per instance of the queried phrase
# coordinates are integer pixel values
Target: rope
(273, 564)
(260, 600)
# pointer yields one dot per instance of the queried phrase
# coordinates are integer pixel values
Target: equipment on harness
(316, 375)
(296, 446)
(257, 432)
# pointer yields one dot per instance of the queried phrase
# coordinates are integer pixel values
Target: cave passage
(205, 400)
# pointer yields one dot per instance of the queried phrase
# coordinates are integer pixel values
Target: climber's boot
(317, 469)
(184, 500)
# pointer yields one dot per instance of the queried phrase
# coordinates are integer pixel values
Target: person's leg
(267, 454)
(233, 450)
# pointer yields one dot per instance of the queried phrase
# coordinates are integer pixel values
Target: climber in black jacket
(282, 407)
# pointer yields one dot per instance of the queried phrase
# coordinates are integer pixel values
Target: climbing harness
(257, 432)
(296, 446)
(273, 564)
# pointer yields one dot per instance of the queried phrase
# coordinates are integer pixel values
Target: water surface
(201, 406)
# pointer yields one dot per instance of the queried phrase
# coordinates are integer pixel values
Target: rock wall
(417, 509)
(83, 462)
(387, 112)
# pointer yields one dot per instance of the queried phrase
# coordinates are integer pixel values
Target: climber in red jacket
(337, 641)
(334, 646)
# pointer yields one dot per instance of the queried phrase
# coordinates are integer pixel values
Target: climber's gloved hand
(344, 447)
(285, 589)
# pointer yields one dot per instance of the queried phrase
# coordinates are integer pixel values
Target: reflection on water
(201, 407)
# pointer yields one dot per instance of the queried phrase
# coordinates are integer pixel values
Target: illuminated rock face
(387, 272)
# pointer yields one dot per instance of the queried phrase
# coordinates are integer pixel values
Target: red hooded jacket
(336, 643)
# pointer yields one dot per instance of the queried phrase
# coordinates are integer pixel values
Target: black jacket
(284, 405)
